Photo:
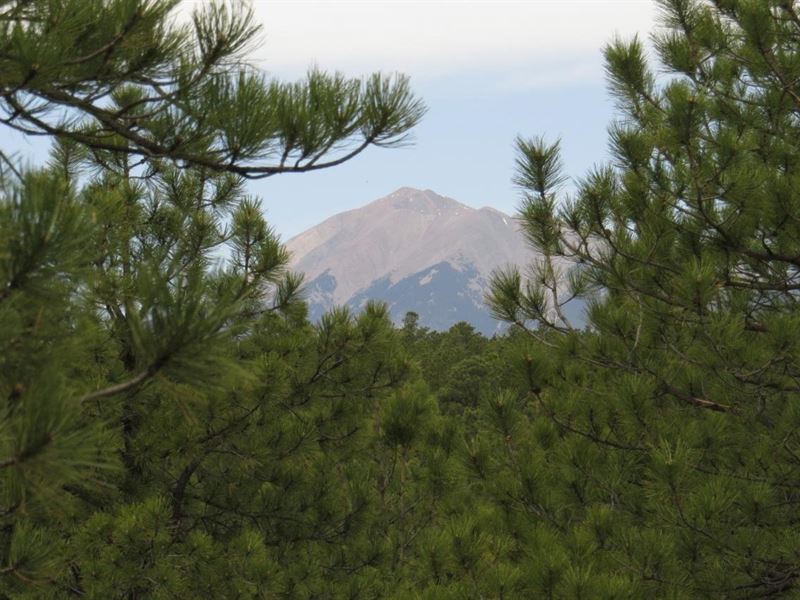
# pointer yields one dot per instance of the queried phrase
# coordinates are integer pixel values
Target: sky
(488, 71)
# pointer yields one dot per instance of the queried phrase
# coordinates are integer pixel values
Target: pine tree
(661, 449)
(171, 426)
(122, 76)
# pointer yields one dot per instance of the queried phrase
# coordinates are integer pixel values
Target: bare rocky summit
(415, 250)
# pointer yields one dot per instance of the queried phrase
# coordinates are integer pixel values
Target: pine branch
(120, 387)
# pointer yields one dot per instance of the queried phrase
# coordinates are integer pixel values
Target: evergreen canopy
(667, 433)
(171, 425)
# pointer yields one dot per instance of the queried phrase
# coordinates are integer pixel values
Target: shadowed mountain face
(414, 250)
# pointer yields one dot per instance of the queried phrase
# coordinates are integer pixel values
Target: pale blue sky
(487, 71)
(462, 149)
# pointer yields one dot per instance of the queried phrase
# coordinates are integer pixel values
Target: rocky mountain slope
(415, 250)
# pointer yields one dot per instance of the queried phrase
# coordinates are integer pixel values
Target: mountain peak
(421, 201)
(415, 249)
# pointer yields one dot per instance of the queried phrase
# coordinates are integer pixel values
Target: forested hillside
(173, 425)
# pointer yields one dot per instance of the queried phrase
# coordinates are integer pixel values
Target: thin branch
(120, 387)
(10, 165)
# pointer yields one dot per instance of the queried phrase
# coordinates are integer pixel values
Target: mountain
(415, 250)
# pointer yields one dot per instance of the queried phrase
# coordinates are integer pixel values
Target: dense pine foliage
(173, 426)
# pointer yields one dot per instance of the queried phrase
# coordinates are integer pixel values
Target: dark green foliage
(174, 427)
(171, 424)
(667, 432)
